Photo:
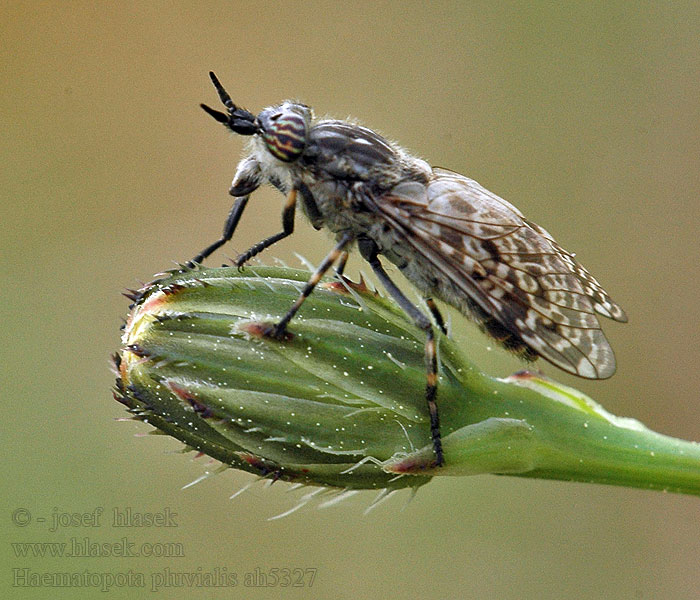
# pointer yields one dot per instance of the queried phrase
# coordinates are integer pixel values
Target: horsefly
(453, 239)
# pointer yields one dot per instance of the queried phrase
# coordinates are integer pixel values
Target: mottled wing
(512, 268)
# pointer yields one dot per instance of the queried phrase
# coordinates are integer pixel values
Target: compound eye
(285, 135)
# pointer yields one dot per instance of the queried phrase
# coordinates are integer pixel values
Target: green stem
(555, 432)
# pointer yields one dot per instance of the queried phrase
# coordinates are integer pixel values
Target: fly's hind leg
(340, 269)
(369, 251)
(437, 315)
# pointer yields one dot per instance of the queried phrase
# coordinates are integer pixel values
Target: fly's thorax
(349, 205)
(349, 152)
(335, 202)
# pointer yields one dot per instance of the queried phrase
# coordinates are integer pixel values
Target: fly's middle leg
(279, 330)
(287, 230)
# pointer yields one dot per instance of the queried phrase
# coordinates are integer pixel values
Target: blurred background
(585, 115)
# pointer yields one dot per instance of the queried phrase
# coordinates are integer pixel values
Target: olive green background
(585, 115)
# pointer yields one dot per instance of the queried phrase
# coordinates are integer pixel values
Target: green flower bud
(337, 395)
(340, 402)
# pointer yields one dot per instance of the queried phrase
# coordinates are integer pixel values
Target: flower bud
(340, 401)
(341, 394)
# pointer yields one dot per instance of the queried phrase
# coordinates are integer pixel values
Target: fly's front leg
(280, 328)
(245, 182)
(231, 222)
(369, 251)
(287, 230)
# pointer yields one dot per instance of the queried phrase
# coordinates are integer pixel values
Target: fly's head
(283, 130)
